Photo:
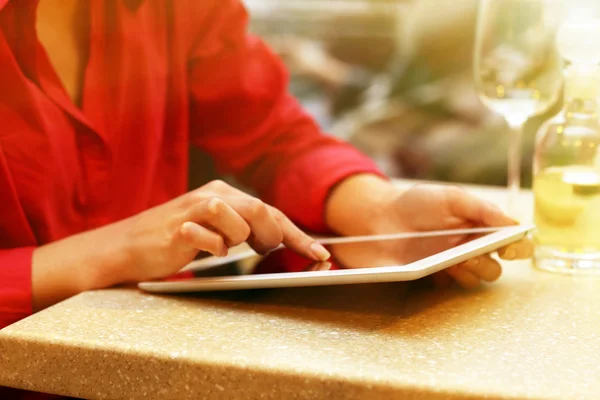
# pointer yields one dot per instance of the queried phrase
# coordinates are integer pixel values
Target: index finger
(295, 239)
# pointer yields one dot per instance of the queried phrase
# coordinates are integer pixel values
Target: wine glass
(518, 71)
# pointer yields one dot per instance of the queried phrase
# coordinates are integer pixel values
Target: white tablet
(352, 263)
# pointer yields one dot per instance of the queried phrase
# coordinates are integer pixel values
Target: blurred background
(394, 78)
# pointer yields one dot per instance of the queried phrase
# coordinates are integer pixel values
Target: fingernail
(324, 266)
(473, 262)
(320, 266)
(186, 227)
(510, 254)
(320, 252)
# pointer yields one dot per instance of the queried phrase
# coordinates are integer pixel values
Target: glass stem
(514, 166)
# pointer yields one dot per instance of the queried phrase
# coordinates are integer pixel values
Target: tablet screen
(376, 253)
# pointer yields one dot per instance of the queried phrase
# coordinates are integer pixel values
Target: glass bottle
(567, 178)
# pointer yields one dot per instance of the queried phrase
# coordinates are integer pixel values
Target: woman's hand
(421, 208)
(212, 218)
(160, 241)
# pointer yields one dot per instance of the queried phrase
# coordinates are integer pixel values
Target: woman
(99, 102)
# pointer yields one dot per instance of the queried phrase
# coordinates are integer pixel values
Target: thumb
(480, 212)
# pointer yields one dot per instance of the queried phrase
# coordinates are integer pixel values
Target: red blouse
(161, 75)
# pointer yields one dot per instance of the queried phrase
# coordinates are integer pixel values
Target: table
(531, 335)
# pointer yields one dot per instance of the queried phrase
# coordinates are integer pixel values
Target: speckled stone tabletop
(531, 335)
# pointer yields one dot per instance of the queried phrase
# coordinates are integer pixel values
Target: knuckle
(216, 186)
(215, 205)
(256, 207)
(273, 240)
(278, 215)
(193, 198)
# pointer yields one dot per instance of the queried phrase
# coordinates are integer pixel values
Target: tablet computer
(352, 263)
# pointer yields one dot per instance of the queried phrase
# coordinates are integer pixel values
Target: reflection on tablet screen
(350, 255)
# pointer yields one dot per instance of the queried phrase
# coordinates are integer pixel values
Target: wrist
(359, 205)
(110, 264)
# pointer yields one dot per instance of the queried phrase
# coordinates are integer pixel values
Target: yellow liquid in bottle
(567, 210)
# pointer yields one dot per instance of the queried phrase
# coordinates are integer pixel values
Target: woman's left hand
(427, 208)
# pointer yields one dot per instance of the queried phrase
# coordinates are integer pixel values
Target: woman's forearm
(75, 264)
